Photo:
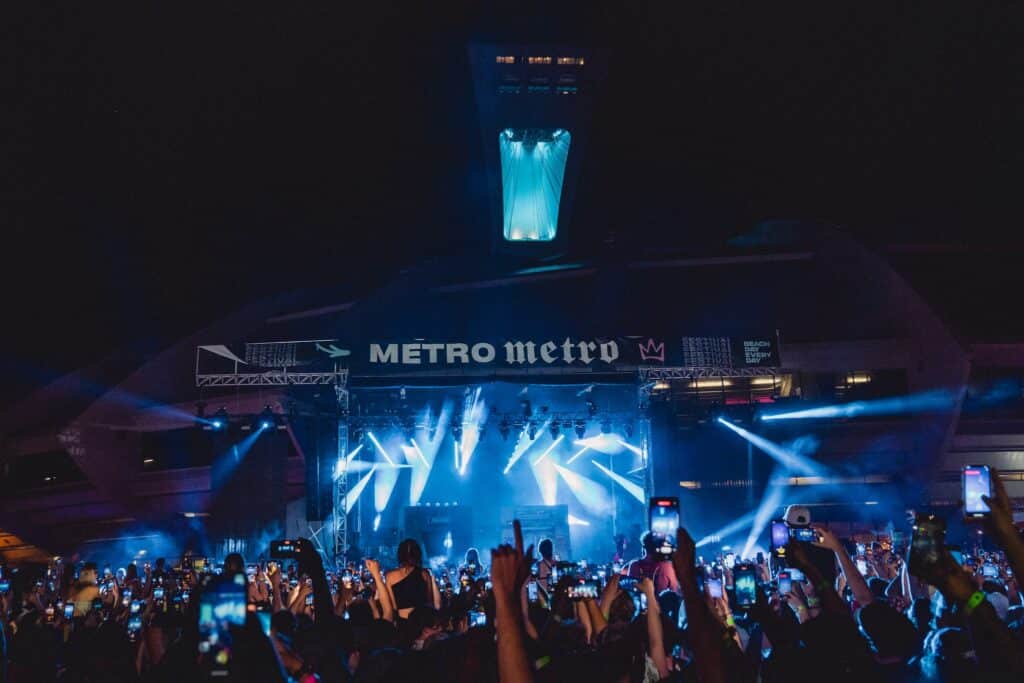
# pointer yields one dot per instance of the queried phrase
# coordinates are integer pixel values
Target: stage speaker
(317, 435)
(431, 525)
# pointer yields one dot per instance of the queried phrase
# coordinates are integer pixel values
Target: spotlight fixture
(606, 426)
(591, 407)
(457, 429)
(219, 421)
(581, 429)
(504, 429)
(531, 430)
(264, 420)
(527, 408)
(555, 428)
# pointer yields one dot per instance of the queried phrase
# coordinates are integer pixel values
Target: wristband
(974, 601)
(542, 662)
(729, 621)
(813, 602)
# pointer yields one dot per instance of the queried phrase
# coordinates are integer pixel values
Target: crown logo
(652, 352)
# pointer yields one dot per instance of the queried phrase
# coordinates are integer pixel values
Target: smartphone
(126, 596)
(264, 617)
(158, 593)
(796, 574)
(745, 576)
(714, 587)
(958, 556)
(199, 564)
(5, 586)
(927, 544)
(136, 607)
(664, 522)
(69, 610)
(785, 583)
(477, 619)
(284, 550)
(977, 482)
(862, 567)
(221, 608)
(627, 583)
(990, 571)
(582, 591)
(50, 614)
(779, 538)
(861, 549)
(532, 591)
(730, 560)
(804, 534)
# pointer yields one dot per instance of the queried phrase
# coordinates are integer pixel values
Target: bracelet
(729, 621)
(813, 602)
(974, 601)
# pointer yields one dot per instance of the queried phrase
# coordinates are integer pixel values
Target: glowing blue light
(547, 452)
(376, 522)
(631, 488)
(265, 424)
(788, 458)
(532, 173)
(915, 403)
(216, 424)
(380, 448)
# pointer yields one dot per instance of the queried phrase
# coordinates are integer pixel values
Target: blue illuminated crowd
(817, 607)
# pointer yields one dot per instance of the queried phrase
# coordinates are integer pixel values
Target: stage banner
(730, 352)
(591, 353)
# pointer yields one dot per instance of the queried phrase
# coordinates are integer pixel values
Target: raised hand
(510, 566)
(828, 540)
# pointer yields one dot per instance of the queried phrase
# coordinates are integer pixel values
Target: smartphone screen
(283, 550)
(785, 583)
(862, 567)
(477, 619)
(531, 591)
(990, 571)
(221, 606)
(714, 587)
(928, 542)
(780, 537)
(627, 583)
(69, 610)
(730, 560)
(158, 593)
(746, 586)
(664, 522)
(796, 574)
(977, 482)
(136, 607)
(804, 534)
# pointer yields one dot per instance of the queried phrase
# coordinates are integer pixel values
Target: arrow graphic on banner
(333, 351)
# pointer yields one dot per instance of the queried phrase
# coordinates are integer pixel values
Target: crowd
(822, 609)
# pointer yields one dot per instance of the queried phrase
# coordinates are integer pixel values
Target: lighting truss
(653, 374)
(276, 378)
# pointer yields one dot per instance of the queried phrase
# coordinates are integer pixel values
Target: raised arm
(510, 567)
(387, 607)
(705, 632)
(854, 579)
(1000, 524)
(655, 637)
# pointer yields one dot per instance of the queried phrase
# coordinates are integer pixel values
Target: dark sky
(165, 165)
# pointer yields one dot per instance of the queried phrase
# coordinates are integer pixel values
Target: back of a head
(546, 548)
(409, 553)
(891, 634)
(473, 556)
(649, 542)
(234, 563)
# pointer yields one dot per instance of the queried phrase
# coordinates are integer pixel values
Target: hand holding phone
(663, 514)
(745, 578)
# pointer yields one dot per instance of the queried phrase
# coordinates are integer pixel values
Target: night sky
(164, 166)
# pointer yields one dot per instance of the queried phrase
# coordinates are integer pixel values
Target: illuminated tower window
(532, 171)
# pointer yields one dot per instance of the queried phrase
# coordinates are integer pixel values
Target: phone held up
(927, 544)
(977, 482)
(745, 579)
(664, 522)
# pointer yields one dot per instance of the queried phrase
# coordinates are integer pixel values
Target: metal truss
(340, 482)
(648, 374)
(277, 379)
